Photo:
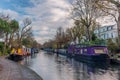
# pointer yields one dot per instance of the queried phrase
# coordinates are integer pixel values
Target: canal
(52, 67)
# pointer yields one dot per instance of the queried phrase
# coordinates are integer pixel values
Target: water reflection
(52, 67)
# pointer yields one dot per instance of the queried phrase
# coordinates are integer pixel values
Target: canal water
(52, 67)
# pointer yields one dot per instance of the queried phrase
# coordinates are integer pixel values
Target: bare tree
(80, 30)
(111, 7)
(24, 31)
(86, 13)
(72, 34)
(59, 37)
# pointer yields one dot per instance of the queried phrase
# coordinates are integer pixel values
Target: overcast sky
(46, 15)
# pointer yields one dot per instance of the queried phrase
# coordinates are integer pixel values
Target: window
(104, 30)
(109, 27)
(81, 51)
(99, 50)
(101, 30)
(96, 31)
(112, 35)
(107, 36)
(85, 50)
(104, 36)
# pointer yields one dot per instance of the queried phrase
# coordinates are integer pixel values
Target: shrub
(1, 47)
(112, 46)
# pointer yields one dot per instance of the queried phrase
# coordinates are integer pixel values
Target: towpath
(10, 70)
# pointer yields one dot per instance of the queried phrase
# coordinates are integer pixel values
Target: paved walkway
(10, 70)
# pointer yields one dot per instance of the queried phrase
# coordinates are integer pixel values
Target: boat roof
(87, 45)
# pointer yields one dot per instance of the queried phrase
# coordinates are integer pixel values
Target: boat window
(81, 51)
(85, 50)
(99, 50)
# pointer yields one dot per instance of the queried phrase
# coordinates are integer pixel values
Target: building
(107, 32)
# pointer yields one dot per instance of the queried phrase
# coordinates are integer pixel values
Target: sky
(46, 15)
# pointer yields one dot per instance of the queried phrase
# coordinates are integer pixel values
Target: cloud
(11, 13)
(47, 16)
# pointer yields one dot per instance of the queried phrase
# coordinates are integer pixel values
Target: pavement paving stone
(10, 70)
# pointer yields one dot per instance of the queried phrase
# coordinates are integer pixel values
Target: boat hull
(115, 61)
(94, 59)
(15, 57)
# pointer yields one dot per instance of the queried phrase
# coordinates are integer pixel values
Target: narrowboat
(62, 52)
(89, 54)
(115, 59)
(16, 55)
(36, 50)
(48, 49)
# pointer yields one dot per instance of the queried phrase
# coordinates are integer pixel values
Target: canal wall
(10, 70)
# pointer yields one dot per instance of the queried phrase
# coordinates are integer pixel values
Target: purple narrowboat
(90, 54)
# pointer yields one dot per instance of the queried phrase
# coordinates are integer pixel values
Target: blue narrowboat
(90, 54)
(62, 52)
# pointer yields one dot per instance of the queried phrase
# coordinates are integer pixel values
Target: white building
(107, 31)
